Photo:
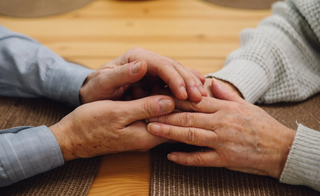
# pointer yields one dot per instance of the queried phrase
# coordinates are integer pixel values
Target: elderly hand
(104, 127)
(113, 79)
(241, 136)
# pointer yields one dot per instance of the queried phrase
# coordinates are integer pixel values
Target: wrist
(84, 95)
(284, 149)
(61, 133)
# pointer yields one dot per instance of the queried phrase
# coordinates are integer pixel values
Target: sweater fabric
(279, 61)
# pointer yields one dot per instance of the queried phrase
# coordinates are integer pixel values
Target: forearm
(27, 151)
(278, 61)
(29, 69)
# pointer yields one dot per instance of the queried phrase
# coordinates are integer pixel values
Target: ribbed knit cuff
(303, 163)
(247, 76)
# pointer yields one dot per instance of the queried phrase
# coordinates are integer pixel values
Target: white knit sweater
(280, 61)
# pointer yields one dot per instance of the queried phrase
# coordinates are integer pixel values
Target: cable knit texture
(280, 61)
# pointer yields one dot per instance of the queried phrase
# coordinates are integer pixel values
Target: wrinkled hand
(113, 79)
(104, 127)
(241, 136)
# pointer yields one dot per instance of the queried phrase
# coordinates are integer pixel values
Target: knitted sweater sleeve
(280, 61)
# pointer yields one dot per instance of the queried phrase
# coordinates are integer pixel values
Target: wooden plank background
(197, 34)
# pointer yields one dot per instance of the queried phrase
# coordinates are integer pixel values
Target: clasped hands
(241, 136)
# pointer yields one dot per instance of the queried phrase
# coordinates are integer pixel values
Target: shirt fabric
(280, 61)
(29, 69)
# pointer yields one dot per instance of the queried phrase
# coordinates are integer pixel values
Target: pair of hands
(104, 124)
(241, 136)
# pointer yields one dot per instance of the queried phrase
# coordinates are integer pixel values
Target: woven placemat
(74, 178)
(168, 178)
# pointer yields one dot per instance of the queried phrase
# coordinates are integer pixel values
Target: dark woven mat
(74, 178)
(168, 178)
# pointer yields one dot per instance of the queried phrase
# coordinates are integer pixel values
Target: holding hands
(241, 136)
(141, 68)
(103, 125)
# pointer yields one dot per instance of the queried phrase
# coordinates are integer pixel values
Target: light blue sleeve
(27, 151)
(29, 69)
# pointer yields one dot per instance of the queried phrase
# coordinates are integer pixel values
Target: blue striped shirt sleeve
(29, 69)
(27, 151)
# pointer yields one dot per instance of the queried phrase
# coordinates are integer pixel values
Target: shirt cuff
(303, 163)
(65, 81)
(249, 78)
(27, 151)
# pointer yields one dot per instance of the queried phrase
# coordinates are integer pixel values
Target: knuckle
(136, 49)
(167, 131)
(198, 160)
(176, 64)
(187, 119)
(149, 109)
(191, 135)
(133, 53)
(196, 106)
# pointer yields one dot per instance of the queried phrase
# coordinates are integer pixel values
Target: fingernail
(154, 129)
(166, 106)
(172, 157)
(184, 91)
(135, 68)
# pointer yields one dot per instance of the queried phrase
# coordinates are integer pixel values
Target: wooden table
(195, 33)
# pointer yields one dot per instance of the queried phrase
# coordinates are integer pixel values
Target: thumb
(225, 91)
(128, 73)
(147, 107)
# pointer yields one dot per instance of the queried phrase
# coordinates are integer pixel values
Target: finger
(192, 83)
(174, 80)
(145, 108)
(198, 75)
(206, 105)
(143, 140)
(127, 74)
(186, 119)
(162, 67)
(208, 158)
(188, 135)
(223, 92)
(200, 84)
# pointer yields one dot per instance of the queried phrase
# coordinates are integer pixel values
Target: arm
(242, 137)
(279, 60)
(29, 69)
(107, 127)
(27, 151)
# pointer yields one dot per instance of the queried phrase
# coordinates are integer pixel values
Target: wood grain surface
(197, 34)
